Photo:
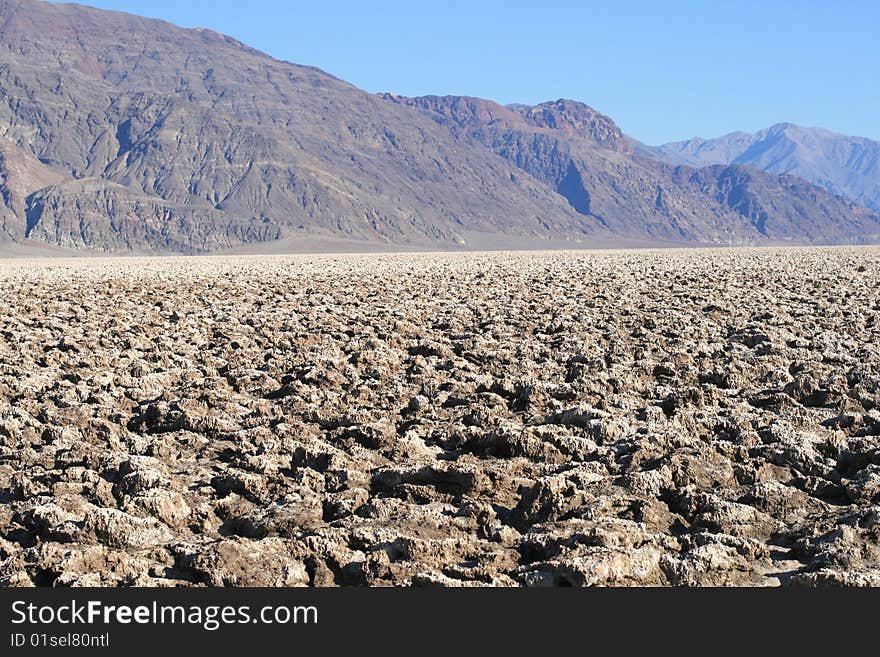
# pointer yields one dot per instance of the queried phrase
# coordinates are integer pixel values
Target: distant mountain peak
(575, 118)
(842, 164)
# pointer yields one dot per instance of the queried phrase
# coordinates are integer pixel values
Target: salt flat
(654, 417)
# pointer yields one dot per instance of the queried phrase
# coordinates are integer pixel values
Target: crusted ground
(614, 418)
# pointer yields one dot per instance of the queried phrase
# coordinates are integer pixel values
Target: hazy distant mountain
(583, 155)
(844, 165)
(125, 133)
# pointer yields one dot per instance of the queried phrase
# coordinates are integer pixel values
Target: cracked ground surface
(693, 417)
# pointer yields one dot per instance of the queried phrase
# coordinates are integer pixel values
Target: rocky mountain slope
(120, 133)
(849, 166)
(584, 156)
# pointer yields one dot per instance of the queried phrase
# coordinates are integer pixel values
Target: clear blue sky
(663, 70)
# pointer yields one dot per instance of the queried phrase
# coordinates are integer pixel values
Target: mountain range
(844, 165)
(126, 134)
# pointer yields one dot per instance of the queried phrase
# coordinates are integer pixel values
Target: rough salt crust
(670, 417)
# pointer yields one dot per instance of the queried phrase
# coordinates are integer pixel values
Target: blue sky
(663, 70)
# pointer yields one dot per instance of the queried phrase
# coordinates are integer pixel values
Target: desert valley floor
(666, 417)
